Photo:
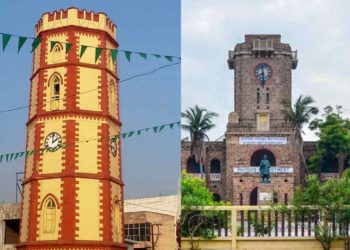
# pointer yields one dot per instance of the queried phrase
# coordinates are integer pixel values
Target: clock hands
(263, 77)
(57, 138)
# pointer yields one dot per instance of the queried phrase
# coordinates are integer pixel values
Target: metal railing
(243, 222)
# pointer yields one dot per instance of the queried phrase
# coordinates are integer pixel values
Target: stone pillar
(265, 193)
(2, 232)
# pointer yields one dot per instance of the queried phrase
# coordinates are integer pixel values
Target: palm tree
(198, 121)
(299, 115)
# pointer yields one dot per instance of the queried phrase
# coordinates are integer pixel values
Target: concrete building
(9, 225)
(145, 217)
(256, 127)
(152, 221)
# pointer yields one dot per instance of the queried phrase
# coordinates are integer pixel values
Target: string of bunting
(7, 157)
(92, 90)
(98, 50)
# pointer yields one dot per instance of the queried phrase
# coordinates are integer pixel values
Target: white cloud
(317, 29)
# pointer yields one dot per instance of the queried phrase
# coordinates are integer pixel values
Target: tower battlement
(74, 17)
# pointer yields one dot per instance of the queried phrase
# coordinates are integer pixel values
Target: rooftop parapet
(262, 45)
(75, 17)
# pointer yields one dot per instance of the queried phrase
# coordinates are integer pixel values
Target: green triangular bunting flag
(5, 40)
(97, 53)
(156, 55)
(35, 43)
(1, 158)
(11, 156)
(155, 129)
(124, 135)
(127, 55)
(169, 58)
(171, 125)
(114, 53)
(53, 43)
(143, 55)
(161, 128)
(82, 50)
(21, 41)
(29, 153)
(16, 155)
(139, 132)
(68, 46)
(130, 134)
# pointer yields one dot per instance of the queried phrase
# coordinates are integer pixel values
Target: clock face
(53, 141)
(263, 72)
(113, 146)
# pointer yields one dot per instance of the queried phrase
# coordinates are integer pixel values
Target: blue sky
(150, 162)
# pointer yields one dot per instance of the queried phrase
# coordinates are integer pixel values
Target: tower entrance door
(253, 198)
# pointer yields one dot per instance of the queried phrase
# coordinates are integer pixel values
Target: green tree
(198, 121)
(332, 198)
(195, 223)
(299, 115)
(334, 142)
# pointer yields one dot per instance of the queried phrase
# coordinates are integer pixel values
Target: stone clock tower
(72, 192)
(263, 78)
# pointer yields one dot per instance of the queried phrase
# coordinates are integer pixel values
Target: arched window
(55, 89)
(192, 166)
(275, 197)
(112, 93)
(258, 156)
(49, 215)
(216, 197)
(285, 199)
(267, 96)
(329, 165)
(215, 166)
(253, 197)
(57, 53)
(117, 219)
(257, 96)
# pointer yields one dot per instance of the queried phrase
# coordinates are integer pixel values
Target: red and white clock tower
(73, 193)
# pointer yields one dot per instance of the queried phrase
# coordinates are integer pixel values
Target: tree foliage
(297, 116)
(198, 121)
(334, 142)
(196, 223)
(332, 200)
(195, 193)
(301, 112)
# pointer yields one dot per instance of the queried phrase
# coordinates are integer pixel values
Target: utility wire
(220, 138)
(88, 46)
(152, 208)
(17, 155)
(92, 90)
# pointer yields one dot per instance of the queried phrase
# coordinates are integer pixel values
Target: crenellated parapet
(75, 17)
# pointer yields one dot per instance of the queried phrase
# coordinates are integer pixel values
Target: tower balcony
(294, 59)
(230, 61)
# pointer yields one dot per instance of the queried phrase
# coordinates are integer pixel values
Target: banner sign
(328, 176)
(263, 140)
(253, 170)
(265, 197)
